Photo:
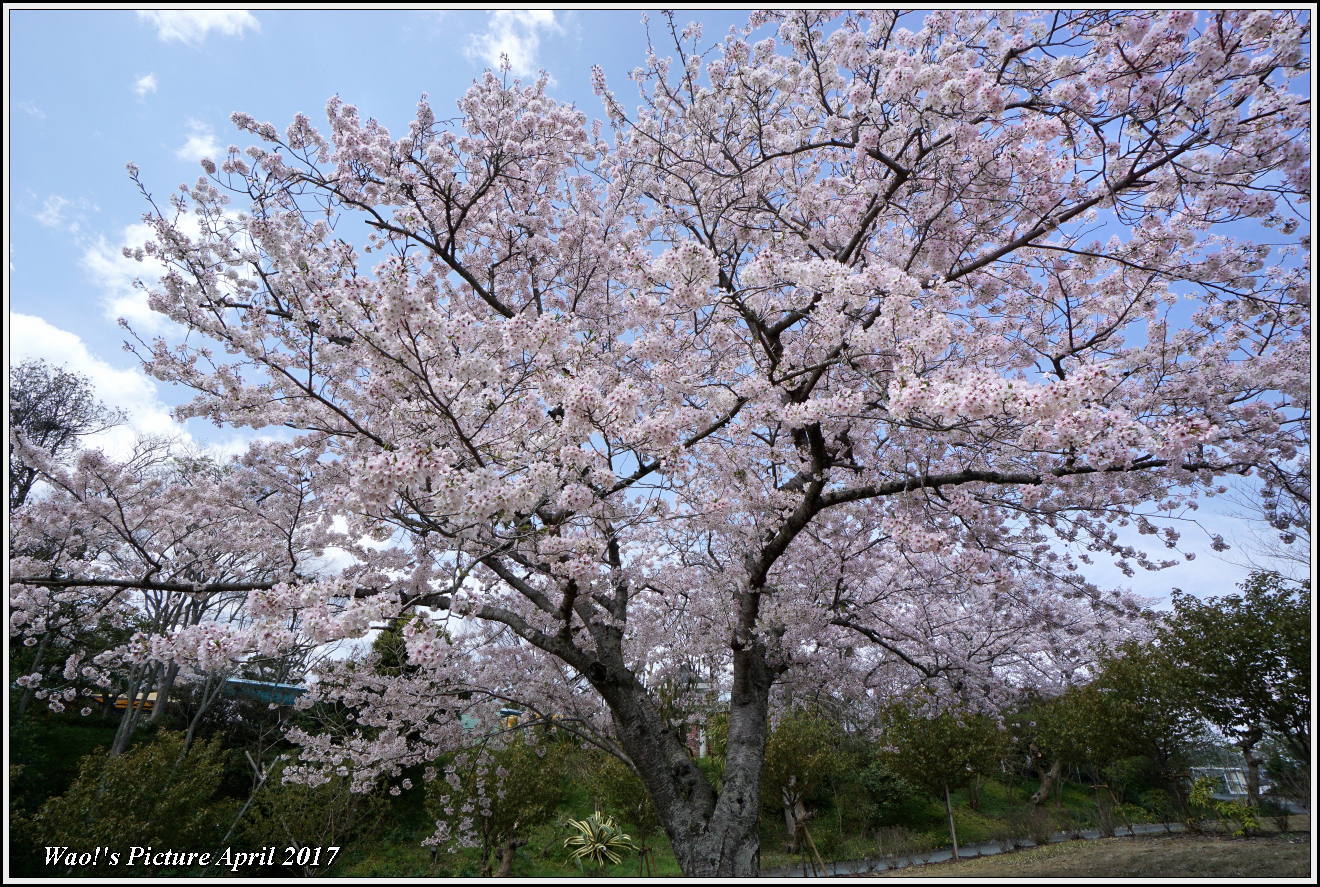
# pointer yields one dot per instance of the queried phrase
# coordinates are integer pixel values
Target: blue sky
(90, 91)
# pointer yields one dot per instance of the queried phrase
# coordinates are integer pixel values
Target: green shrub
(152, 795)
(616, 788)
(49, 748)
(1278, 811)
(1160, 805)
(1035, 823)
(1232, 815)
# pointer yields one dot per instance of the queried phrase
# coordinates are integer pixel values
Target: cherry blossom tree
(130, 597)
(832, 362)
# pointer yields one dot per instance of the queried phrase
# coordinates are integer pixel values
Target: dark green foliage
(892, 797)
(1290, 777)
(391, 649)
(805, 756)
(48, 748)
(618, 790)
(942, 752)
(946, 750)
(1247, 660)
(152, 795)
(1139, 706)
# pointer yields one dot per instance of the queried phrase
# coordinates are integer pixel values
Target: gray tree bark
(712, 834)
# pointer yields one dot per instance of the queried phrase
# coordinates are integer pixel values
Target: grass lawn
(1164, 856)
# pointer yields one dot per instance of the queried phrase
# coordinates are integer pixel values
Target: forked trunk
(712, 835)
(1047, 780)
(795, 814)
(505, 856)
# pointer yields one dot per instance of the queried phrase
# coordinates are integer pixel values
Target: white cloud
(145, 85)
(31, 337)
(63, 214)
(115, 274)
(200, 143)
(31, 109)
(192, 26)
(130, 390)
(52, 211)
(515, 35)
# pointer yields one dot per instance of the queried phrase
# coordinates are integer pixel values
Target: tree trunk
(30, 692)
(1253, 762)
(794, 815)
(163, 692)
(712, 835)
(128, 721)
(505, 856)
(209, 693)
(1047, 780)
(953, 831)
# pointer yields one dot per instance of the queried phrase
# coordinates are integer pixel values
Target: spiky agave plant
(598, 839)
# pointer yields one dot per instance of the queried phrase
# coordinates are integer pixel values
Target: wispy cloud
(63, 214)
(200, 143)
(118, 275)
(145, 85)
(192, 26)
(514, 35)
(31, 109)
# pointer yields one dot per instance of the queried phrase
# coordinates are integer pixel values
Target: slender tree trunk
(128, 721)
(205, 700)
(794, 814)
(505, 856)
(1047, 780)
(1253, 762)
(163, 693)
(259, 774)
(953, 831)
(30, 692)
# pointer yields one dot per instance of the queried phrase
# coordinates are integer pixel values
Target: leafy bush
(49, 748)
(1036, 824)
(1232, 815)
(1277, 811)
(152, 795)
(1131, 776)
(1160, 804)
(889, 793)
(617, 788)
(895, 840)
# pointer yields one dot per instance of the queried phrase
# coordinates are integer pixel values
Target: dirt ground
(1164, 856)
